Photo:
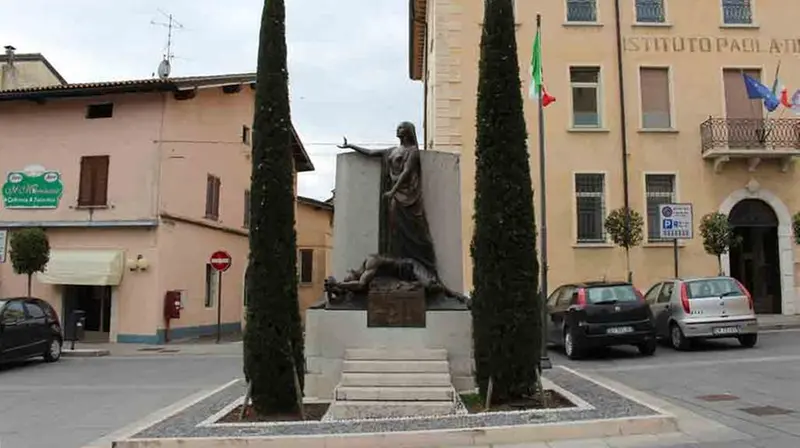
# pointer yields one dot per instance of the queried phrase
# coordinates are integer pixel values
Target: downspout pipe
(624, 132)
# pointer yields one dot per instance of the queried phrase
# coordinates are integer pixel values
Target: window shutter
(100, 187)
(209, 196)
(217, 188)
(85, 186)
(655, 98)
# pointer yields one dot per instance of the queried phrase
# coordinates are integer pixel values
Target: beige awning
(83, 267)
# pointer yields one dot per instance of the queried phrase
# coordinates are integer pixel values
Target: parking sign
(675, 221)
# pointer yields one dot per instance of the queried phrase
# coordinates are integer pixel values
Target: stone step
(386, 354)
(341, 410)
(352, 393)
(395, 379)
(399, 366)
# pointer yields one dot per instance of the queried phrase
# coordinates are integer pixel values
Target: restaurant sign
(33, 187)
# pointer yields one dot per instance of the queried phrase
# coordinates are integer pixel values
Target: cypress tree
(273, 340)
(505, 301)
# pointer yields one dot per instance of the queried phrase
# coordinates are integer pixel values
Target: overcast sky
(348, 68)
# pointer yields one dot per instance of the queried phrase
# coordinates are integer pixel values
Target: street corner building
(711, 118)
(136, 184)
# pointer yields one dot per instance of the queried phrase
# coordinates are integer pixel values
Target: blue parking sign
(667, 224)
(675, 221)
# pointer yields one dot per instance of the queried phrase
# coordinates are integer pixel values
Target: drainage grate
(762, 411)
(719, 397)
(150, 349)
(170, 350)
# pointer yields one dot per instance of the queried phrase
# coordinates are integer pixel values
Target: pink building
(137, 183)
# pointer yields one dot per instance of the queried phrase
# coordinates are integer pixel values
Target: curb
(778, 327)
(84, 353)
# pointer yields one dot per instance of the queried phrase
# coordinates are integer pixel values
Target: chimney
(7, 78)
(10, 54)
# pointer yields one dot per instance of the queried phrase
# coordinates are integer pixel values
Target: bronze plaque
(397, 308)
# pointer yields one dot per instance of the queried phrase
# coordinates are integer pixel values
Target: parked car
(590, 315)
(704, 307)
(29, 327)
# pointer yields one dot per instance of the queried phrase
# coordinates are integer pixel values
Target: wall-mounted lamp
(139, 264)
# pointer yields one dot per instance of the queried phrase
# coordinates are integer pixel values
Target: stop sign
(220, 260)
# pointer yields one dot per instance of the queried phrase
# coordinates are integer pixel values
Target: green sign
(33, 187)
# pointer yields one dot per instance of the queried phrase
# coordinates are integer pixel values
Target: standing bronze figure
(406, 230)
(406, 248)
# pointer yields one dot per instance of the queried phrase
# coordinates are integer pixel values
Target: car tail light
(581, 297)
(746, 293)
(685, 298)
(639, 294)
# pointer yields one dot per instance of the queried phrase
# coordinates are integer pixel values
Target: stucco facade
(688, 125)
(314, 221)
(153, 177)
(18, 71)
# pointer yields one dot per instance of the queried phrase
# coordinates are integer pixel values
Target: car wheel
(678, 340)
(53, 352)
(570, 346)
(647, 348)
(748, 340)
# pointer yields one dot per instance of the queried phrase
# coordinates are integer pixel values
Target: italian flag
(537, 89)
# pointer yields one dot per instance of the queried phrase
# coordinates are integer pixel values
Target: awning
(83, 267)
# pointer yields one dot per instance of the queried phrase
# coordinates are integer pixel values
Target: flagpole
(544, 360)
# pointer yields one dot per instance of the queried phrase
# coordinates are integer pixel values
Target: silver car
(704, 307)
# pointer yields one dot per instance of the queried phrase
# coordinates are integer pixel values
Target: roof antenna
(165, 66)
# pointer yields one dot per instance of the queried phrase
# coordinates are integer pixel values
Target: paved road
(767, 375)
(78, 400)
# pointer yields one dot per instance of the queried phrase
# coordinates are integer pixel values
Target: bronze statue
(406, 249)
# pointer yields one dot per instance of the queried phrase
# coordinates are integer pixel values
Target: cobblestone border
(195, 421)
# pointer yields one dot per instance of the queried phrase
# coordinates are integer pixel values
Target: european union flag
(758, 91)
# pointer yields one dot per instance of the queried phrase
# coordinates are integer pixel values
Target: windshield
(2, 302)
(611, 294)
(713, 287)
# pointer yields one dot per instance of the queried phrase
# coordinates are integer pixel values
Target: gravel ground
(607, 405)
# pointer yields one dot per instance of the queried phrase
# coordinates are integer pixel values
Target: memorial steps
(380, 383)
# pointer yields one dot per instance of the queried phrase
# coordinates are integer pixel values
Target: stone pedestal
(329, 334)
(357, 203)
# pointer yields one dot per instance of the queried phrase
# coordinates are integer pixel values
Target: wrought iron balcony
(581, 11)
(650, 11)
(751, 139)
(737, 12)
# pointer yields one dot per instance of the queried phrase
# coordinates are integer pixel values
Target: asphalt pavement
(79, 400)
(75, 401)
(756, 391)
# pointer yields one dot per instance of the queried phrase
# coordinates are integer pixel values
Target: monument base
(330, 333)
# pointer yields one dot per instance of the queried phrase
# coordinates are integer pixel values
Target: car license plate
(725, 330)
(619, 330)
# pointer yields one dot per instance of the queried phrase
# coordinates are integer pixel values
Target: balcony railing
(750, 134)
(737, 12)
(581, 11)
(650, 11)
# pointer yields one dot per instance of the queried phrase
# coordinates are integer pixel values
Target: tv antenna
(165, 66)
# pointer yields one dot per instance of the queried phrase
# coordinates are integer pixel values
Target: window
(659, 189)
(585, 82)
(666, 292)
(13, 313)
(212, 286)
(650, 11)
(737, 12)
(212, 197)
(93, 188)
(246, 217)
(105, 110)
(654, 88)
(246, 135)
(651, 295)
(306, 265)
(715, 287)
(34, 311)
(581, 11)
(590, 206)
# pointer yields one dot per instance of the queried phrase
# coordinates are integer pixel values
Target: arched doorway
(756, 261)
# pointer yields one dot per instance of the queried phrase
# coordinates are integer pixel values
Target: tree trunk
(29, 284)
(719, 264)
(628, 264)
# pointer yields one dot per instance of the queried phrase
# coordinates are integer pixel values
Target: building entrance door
(755, 261)
(95, 301)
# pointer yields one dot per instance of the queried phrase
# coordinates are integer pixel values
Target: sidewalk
(767, 322)
(194, 348)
